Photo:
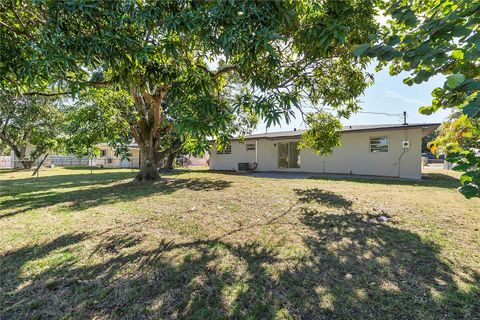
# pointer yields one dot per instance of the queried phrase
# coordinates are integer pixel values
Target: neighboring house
(389, 150)
(107, 158)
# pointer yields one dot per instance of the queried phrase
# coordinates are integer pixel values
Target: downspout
(255, 164)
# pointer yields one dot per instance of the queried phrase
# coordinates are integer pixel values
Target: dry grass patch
(207, 245)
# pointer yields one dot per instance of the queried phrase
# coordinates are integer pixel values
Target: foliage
(426, 141)
(4, 149)
(270, 56)
(30, 121)
(430, 37)
(323, 133)
(458, 134)
(99, 115)
(468, 162)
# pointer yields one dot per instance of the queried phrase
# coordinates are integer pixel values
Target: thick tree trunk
(147, 130)
(26, 164)
(148, 166)
(20, 153)
(170, 159)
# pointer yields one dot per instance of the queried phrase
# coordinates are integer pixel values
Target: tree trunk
(147, 130)
(19, 152)
(148, 166)
(26, 164)
(170, 159)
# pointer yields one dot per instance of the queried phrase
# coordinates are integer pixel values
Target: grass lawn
(206, 245)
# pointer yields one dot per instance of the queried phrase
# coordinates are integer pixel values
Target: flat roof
(427, 128)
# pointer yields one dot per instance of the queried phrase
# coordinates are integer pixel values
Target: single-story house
(389, 150)
(107, 158)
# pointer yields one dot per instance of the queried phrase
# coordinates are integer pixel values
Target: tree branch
(7, 141)
(45, 94)
(216, 75)
(20, 21)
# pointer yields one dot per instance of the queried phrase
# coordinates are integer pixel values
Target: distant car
(432, 156)
(182, 161)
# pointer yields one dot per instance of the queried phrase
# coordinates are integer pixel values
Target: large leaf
(427, 110)
(470, 190)
(360, 50)
(455, 80)
(472, 109)
(469, 177)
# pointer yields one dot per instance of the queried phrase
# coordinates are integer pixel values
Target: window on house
(250, 146)
(226, 150)
(103, 153)
(379, 144)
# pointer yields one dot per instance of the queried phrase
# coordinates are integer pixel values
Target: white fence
(116, 163)
(64, 161)
(68, 161)
(6, 162)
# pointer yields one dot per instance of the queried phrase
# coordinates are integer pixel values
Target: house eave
(426, 129)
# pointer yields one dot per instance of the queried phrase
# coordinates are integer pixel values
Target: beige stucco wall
(353, 156)
(116, 161)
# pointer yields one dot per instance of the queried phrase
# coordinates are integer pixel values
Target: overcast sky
(390, 95)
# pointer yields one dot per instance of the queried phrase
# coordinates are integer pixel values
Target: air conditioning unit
(406, 144)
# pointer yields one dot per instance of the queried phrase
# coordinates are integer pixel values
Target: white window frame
(250, 147)
(378, 138)
(103, 153)
(226, 150)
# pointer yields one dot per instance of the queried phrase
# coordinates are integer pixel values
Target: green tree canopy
(268, 56)
(30, 121)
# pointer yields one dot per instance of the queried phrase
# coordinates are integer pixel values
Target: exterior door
(288, 155)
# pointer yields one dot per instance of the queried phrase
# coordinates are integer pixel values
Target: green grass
(208, 245)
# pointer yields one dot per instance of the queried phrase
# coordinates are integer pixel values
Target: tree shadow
(360, 268)
(353, 267)
(49, 191)
(18, 187)
(328, 198)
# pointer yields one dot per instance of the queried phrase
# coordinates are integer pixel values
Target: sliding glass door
(288, 155)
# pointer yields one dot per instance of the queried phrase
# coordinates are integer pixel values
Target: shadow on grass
(328, 198)
(353, 268)
(98, 189)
